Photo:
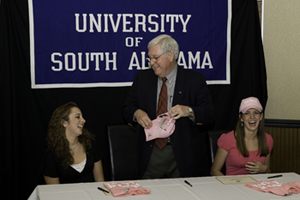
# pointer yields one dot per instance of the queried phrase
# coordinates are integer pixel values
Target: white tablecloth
(204, 188)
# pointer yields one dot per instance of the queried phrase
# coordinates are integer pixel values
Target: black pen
(99, 188)
(188, 183)
(275, 176)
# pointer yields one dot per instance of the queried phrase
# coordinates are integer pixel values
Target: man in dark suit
(188, 101)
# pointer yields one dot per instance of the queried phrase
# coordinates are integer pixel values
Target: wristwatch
(190, 111)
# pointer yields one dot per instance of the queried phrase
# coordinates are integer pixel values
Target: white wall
(281, 40)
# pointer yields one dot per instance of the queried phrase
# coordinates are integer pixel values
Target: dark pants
(162, 164)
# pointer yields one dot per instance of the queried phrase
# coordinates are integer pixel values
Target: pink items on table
(276, 187)
(126, 189)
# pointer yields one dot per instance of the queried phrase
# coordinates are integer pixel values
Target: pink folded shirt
(276, 187)
(162, 127)
(126, 189)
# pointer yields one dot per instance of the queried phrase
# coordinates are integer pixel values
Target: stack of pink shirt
(276, 187)
(126, 189)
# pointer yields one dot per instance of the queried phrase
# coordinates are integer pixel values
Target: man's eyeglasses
(154, 59)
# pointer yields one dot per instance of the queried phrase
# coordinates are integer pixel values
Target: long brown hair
(239, 134)
(56, 138)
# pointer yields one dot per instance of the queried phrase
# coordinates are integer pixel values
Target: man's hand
(179, 111)
(143, 119)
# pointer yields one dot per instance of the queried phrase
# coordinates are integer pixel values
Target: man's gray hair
(167, 43)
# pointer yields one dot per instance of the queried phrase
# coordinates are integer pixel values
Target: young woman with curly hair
(72, 155)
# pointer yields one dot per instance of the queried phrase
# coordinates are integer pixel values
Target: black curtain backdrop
(25, 112)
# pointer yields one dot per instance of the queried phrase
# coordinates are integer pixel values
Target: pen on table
(99, 188)
(188, 183)
(275, 176)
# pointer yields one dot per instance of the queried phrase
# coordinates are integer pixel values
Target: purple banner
(103, 43)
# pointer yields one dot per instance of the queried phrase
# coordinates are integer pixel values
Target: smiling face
(75, 123)
(162, 64)
(251, 119)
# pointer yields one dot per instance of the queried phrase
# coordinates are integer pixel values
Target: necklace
(73, 149)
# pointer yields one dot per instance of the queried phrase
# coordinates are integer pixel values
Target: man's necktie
(162, 107)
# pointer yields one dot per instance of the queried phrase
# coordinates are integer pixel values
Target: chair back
(123, 147)
(214, 135)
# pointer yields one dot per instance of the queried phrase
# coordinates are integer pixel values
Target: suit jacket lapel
(179, 86)
(153, 95)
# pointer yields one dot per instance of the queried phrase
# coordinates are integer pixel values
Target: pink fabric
(126, 189)
(294, 187)
(162, 127)
(276, 187)
(235, 162)
(251, 102)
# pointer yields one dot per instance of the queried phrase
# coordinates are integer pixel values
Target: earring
(242, 123)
